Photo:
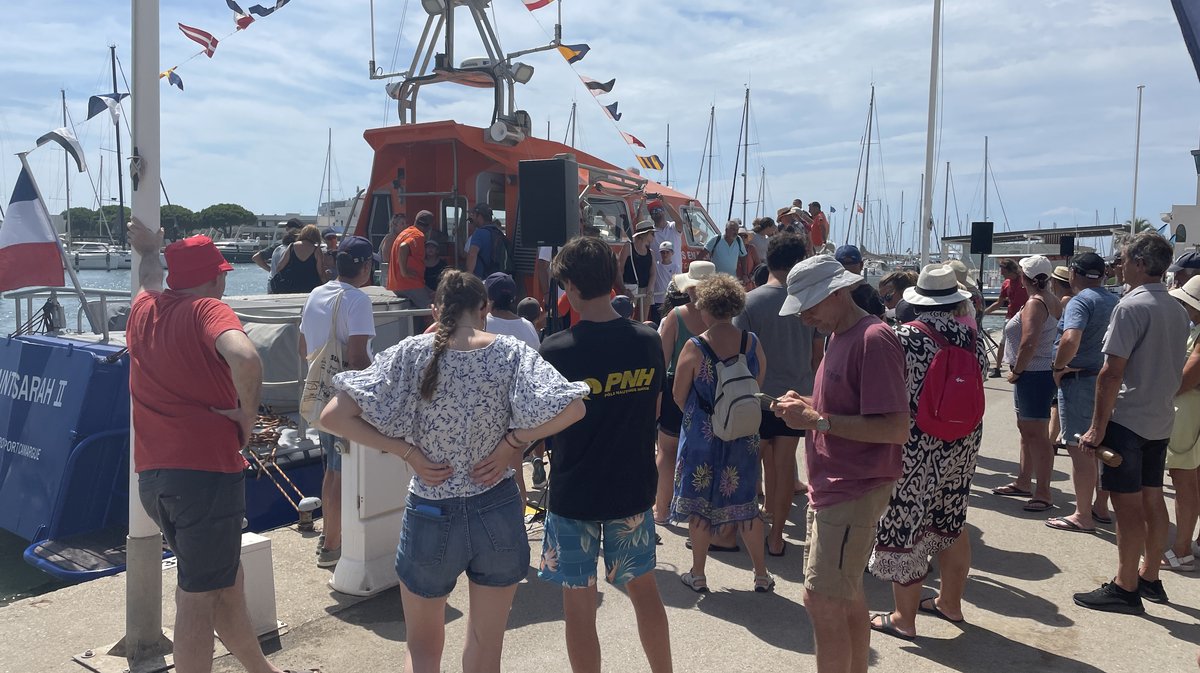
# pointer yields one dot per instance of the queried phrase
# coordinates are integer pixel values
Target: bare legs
(1141, 529)
(954, 563)
(1085, 475)
(779, 477)
(841, 631)
(224, 610)
(425, 622)
(583, 644)
(331, 509)
(1037, 457)
(668, 448)
(1187, 508)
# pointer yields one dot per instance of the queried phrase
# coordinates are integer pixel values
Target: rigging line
(387, 104)
(957, 212)
(882, 169)
(857, 177)
(999, 198)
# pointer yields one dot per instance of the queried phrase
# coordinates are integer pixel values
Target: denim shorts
(1076, 401)
(1034, 395)
(200, 514)
(571, 548)
(331, 454)
(1142, 461)
(483, 535)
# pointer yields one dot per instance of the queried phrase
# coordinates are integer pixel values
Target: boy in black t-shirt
(603, 476)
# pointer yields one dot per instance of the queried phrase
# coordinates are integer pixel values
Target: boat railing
(40, 293)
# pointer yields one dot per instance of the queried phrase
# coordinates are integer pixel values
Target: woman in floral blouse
(456, 405)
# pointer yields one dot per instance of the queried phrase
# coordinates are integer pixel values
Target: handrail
(286, 319)
(56, 511)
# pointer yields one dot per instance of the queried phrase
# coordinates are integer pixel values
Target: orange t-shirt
(818, 230)
(414, 240)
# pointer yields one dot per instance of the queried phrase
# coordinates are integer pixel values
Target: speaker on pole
(1066, 246)
(548, 206)
(981, 238)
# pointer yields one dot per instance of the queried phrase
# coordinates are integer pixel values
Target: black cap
(482, 209)
(1089, 264)
(1188, 260)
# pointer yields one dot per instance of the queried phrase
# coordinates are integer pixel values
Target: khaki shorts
(840, 540)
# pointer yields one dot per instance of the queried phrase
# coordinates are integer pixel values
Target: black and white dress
(928, 508)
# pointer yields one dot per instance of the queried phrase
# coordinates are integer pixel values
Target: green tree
(177, 221)
(226, 217)
(112, 218)
(1139, 225)
(84, 222)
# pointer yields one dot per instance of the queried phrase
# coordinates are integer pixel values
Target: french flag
(29, 252)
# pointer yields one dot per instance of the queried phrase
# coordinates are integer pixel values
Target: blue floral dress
(715, 481)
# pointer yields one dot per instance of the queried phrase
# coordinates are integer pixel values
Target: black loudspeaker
(1066, 246)
(548, 210)
(981, 238)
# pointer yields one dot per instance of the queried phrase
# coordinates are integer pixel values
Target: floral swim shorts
(572, 547)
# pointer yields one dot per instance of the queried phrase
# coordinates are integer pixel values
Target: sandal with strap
(764, 583)
(697, 583)
(1178, 563)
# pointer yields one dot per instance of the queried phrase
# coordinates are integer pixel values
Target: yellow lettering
(645, 376)
(613, 379)
(628, 379)
(594, 385)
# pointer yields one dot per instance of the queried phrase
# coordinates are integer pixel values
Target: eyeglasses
(888, 296)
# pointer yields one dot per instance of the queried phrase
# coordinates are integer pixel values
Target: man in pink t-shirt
(857, 419)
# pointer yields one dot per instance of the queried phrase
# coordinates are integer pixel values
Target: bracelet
(411, 448)
(515, 442)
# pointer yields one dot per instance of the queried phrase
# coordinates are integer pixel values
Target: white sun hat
(811, 282)
(697, 271)
(936, 286)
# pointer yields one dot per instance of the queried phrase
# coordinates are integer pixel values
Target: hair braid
(457, 292)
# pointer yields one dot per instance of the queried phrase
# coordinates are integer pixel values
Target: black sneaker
(1111, 598)
(995, 373)
(539, 473)
(1152, 591)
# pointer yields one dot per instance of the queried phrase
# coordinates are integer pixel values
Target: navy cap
(848, 254)
(498, 285)
(623, 306)
(1188, 260)
(1089, 264)
(482, 209)
(329, 232)
(358, 248)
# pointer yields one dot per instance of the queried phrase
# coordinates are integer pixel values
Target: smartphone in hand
(765, 398)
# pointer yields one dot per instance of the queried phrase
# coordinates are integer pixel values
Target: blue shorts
(483, 535)
(1033, 394)
(331, 456)
(571, 548)
(1076, 402)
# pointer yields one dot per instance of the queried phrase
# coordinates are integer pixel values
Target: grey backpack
(734, 410)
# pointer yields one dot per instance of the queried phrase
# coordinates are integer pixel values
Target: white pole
(1137, 149)
(144, 637)
(927, 201)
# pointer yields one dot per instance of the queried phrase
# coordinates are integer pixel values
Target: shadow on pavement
(1029, 566)
(978, 649)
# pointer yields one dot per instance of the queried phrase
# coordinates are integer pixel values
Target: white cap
(666, 245)
(1036, 265)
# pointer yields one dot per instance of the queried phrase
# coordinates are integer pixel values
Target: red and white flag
(203, 38)
(632, 140)
(536, 4)
(29, 253)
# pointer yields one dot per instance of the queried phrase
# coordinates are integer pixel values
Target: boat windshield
(611, 217)
(697, 227)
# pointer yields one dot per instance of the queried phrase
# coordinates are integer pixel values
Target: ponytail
(457, 292)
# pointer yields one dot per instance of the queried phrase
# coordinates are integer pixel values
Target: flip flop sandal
(782, 550)
(929, 606)
(1063, 523)
(1101, 518)
(1011, 490)
(697, 583)
(885, 626)
(1038, 505)
(712, 548)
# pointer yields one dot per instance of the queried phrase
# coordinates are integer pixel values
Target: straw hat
(1061, 273)
(936, 286)
(960, 272)
(1189, 293)
(697, 271)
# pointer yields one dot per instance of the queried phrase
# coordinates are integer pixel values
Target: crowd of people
(690, 413)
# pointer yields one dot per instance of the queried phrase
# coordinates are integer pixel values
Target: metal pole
(985, 177)
(1137, 148)
(66, 165)
(120, 167)
(668, 152)
(866, 205)
(927, 200)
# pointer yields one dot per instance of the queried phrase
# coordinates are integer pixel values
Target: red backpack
(951, 405)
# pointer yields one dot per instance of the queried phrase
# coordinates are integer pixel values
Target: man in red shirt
(194, 381)
(818, 231)
(1012, 295)
(406, 264)
(857, 420)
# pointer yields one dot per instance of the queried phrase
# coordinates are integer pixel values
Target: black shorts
(1142, 461)
(773, 426)
(670, 417)
(200, 514)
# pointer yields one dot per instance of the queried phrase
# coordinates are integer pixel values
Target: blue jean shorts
(1033, 394)
(330, 455)
(1076, 402)
(572, 547)
(483, 535)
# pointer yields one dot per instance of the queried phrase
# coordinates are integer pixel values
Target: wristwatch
(823, 424)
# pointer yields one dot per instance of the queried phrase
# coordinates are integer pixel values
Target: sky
(1053, 85)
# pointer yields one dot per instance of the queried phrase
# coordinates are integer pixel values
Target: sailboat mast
(762, 188)
(946, 203)
(573, 123)
(668, 153)
(712, 114)
(985, 177)
(737, 159)
(927, 200)
(746, 150)
(863, 223)
(900, 233)
(117, 127)
(66, 164)
(329, 177)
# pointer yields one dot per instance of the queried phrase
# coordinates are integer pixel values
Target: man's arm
(356, 352)
(472, 256)
(263, 259)
(1108, 386)
(146, 244)
(246, 369)
(402, 260)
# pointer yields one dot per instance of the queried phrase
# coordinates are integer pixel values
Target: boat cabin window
(381, 214)
(696, 226)
(454, 223)
(610, 216)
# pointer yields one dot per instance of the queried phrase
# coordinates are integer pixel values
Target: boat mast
(746, 149)
(66, 164)
(985, 177)
(1137, 149)
(668, 154)
(927, 200)
(117, 126)
(329, 177)
(946, 203)
(737, 162)
(712, 111)
(762, 187)
(900, 233)
(863, 222)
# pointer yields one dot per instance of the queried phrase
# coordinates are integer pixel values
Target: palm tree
(1138, 225)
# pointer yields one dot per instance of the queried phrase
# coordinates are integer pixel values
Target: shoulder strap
(926, 330)
(745, 338)
(707, 348)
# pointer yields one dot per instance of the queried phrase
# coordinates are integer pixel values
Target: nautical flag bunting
(29, 253)
(106, 101)
(1188, 13)
(597, 88)
(203, 38)
(536, 4)
(172, 78)
(574, 53)
(267, 11)
(241, 18)
(67, 140)
(612, 112)
(652, 162)
(632, 140)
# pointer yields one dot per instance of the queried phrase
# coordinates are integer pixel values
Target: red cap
(193, 262)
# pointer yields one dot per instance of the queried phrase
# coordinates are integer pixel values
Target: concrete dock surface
(1019, 612)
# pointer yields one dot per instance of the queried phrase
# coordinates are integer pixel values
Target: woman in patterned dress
(716, 482)
(457, 405)
(928, 509)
